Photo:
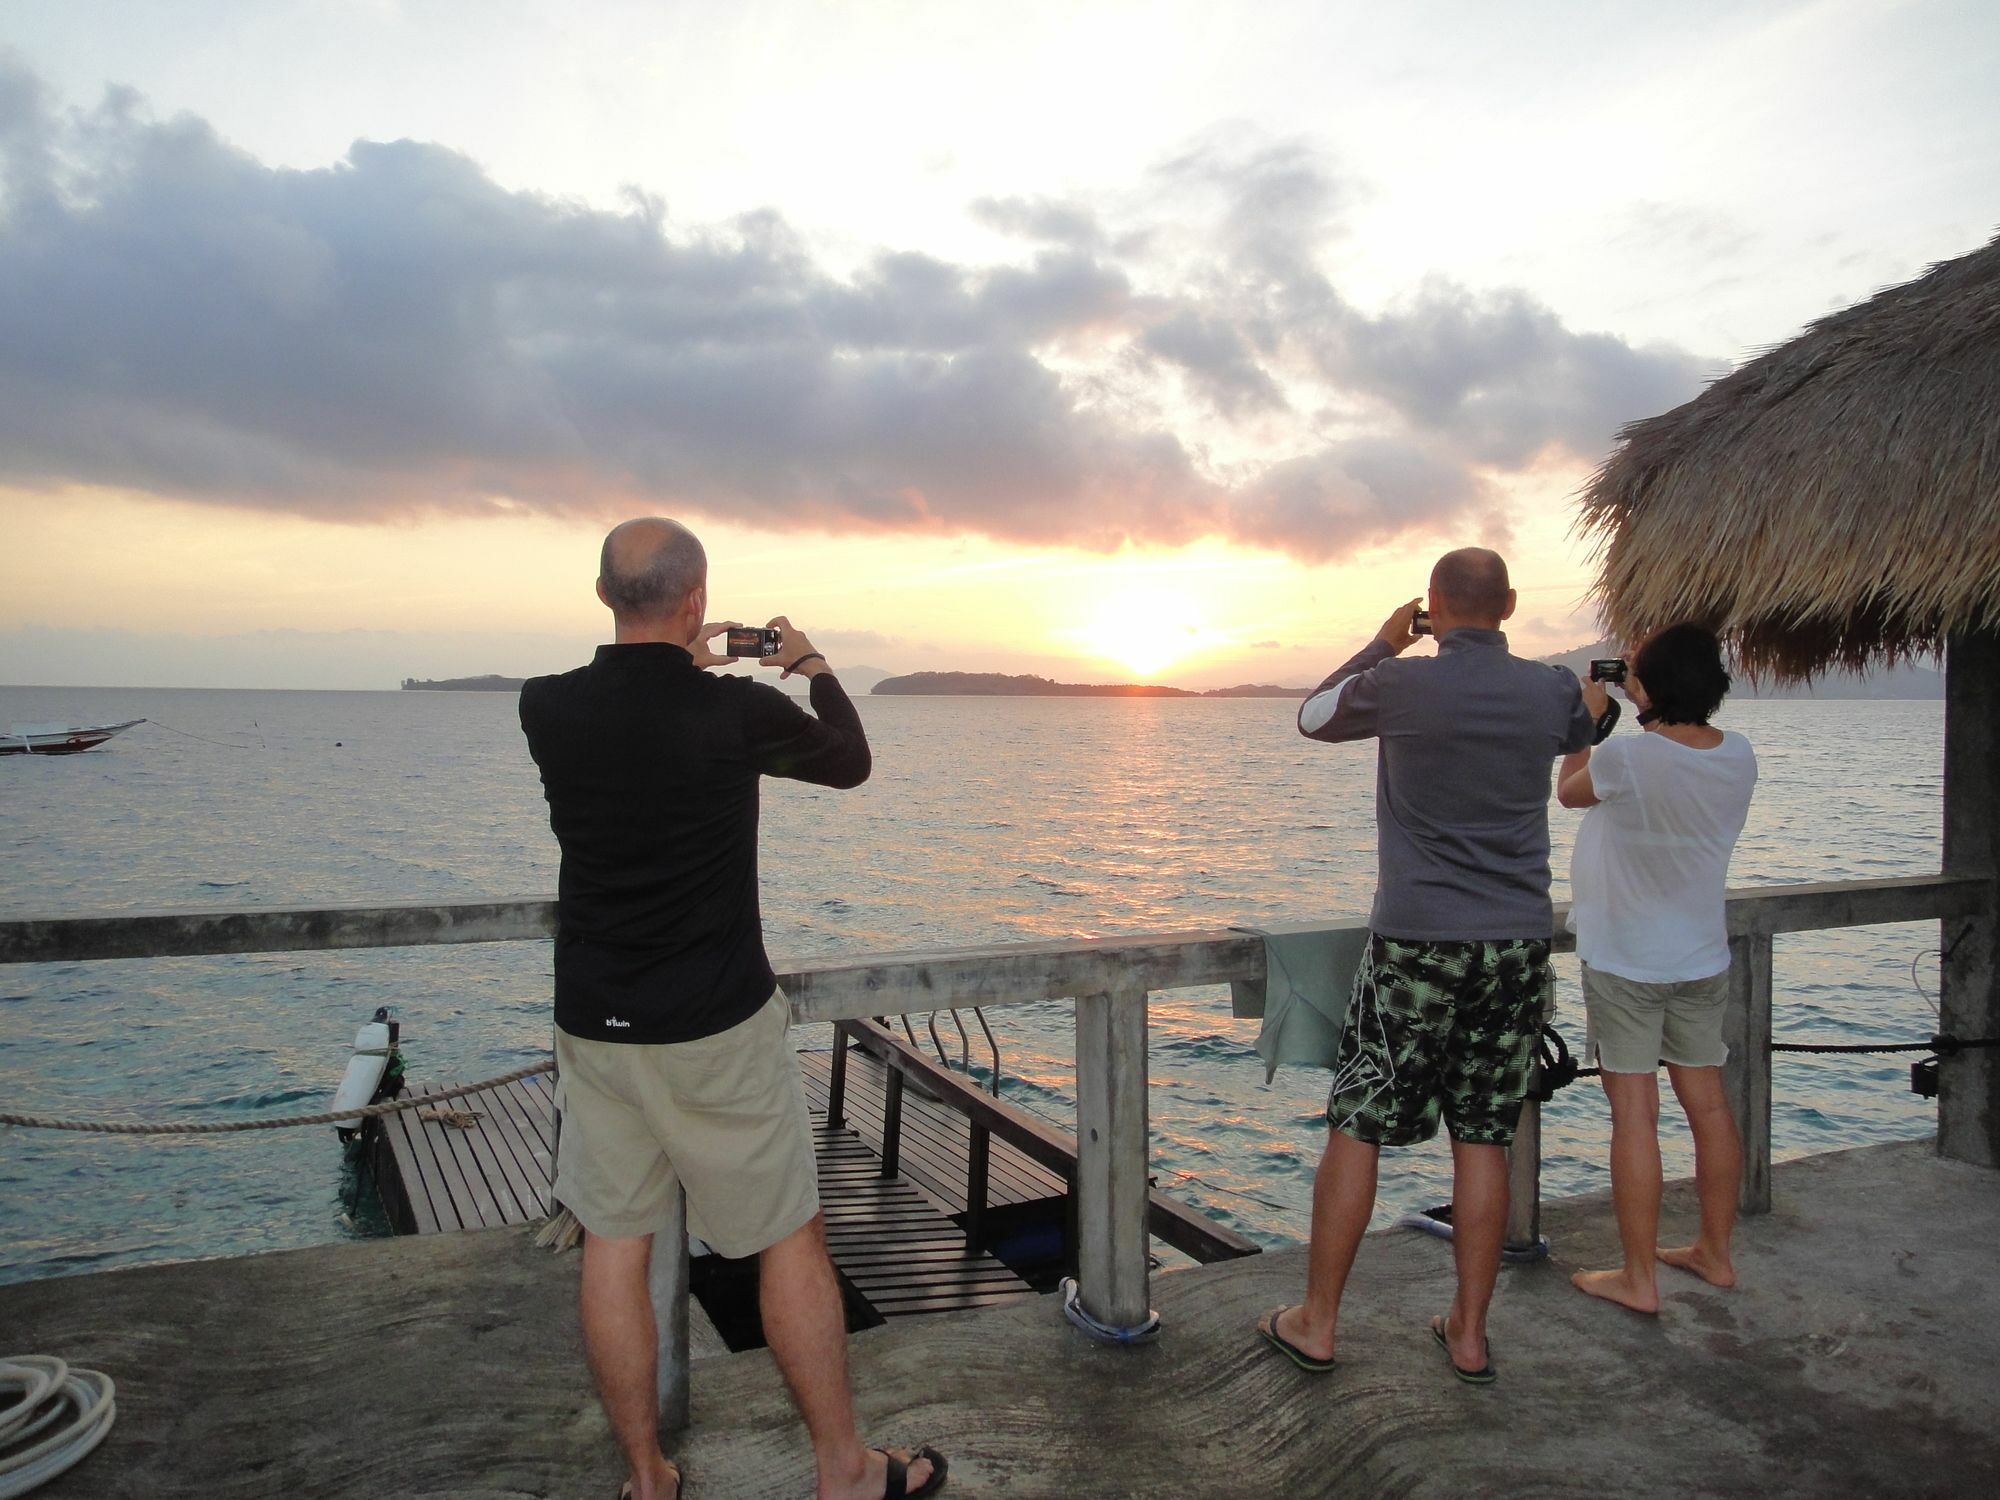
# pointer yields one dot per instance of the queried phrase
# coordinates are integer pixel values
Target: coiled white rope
(36, 1444)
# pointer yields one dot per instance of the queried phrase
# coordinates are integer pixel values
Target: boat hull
(62, 741)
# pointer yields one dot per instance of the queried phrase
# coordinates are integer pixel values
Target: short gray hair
(656, 581)
(1473, 581)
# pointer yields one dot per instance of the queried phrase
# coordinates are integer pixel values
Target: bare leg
(1718, 1173)
(799, 1297)
(1478, 1231)
(1343, 1201)
(1635, 1192)
(619, 1341)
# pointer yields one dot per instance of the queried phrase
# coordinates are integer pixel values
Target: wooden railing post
(836, 1093)
(1746, 1077)
(1969, 998)
(1524, 1157)
(892, 1122)
(977, 1170)
(1112, 1158)
(667, 1283)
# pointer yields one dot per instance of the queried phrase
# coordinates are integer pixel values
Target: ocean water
(986, 820)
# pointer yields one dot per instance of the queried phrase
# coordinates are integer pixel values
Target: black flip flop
(1289, 1349)
(899, 1475)
(1485, 1375)
(625, 1490)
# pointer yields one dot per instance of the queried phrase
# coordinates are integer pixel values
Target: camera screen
(753, 640)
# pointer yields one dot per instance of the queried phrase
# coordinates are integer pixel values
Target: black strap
(898, 1484)
(1606, 721)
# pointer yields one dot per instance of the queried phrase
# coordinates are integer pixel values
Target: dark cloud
(1218, 360)
(1354, 493)
(396, 332)
(1052, 219)
(1500, 373)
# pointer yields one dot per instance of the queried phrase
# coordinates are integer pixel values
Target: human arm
(796, 656)
(1588, 704)
(1345, 706)
(1573, 784)
(827, 747)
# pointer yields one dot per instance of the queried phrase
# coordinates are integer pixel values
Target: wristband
(809, 656)
(1606, 722)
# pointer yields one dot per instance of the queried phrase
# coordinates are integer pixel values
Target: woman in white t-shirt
(1647, 878)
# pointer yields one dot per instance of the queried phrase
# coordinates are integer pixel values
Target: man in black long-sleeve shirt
(672, 1045)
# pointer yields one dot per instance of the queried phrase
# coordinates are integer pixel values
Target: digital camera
(1610, 669)
(1420, 622)
(753, 640)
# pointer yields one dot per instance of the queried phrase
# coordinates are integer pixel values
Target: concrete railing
(1108, 979)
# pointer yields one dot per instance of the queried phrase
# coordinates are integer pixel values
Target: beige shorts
(724, 1117)
(1635, 1025)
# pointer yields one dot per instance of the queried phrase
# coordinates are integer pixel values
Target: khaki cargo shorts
(1636, 1025)
(723, 1117)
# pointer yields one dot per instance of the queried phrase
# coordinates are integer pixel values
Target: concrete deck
(1857, 1357)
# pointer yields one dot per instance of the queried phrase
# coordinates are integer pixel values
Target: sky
(1110, 342)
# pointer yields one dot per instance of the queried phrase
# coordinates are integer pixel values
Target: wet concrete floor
(1857, 1356)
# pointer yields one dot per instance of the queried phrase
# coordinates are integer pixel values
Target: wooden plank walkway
(436, 1178)
(891, 1237)
(936, 1141)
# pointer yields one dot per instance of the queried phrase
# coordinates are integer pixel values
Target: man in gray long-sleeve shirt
(1446, 1006)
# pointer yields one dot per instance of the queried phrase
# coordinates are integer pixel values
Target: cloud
(1059, 221)
(397, 334)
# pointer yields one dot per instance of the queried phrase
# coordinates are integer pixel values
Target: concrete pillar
(1969, 1083)
(1746, 1077)
(1112, 1192)
(667, 1282)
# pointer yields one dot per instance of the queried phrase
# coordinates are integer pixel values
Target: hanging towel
(1309, 974)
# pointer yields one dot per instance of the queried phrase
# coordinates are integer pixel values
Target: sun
(1144, 627)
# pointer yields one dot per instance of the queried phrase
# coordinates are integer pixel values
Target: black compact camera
(1420, 622)
(752, 640)
(1610, 669)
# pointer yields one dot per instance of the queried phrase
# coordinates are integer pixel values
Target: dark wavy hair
(1681, 670)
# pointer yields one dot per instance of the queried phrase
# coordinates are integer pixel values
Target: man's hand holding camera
(795, 654)
(1399, 631)
(780, 644)
(706, 655)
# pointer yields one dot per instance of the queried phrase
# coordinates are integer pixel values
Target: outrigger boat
(58, 739)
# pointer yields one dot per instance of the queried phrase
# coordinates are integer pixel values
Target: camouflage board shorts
(1439, 1028)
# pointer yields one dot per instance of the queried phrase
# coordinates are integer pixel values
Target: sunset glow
(338, 334)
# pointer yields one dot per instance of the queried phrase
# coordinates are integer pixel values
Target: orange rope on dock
(229, 1127)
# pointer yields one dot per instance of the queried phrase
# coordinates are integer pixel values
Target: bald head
(649, 567)
(1471, 585)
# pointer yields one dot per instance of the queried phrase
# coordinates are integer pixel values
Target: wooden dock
(899, 1240)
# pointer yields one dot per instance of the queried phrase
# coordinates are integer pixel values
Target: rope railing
(287, 1122)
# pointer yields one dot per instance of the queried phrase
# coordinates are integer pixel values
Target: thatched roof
(1834, 502)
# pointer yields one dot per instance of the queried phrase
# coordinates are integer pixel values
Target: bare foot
(873, 1482)
(1621, 1287)
(665, 1484)
(1715, 1270)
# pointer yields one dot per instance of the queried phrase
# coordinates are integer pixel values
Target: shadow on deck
(1856, 1358)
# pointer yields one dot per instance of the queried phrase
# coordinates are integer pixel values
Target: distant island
(1001, 685)
(1910, 680)
(486, 684)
